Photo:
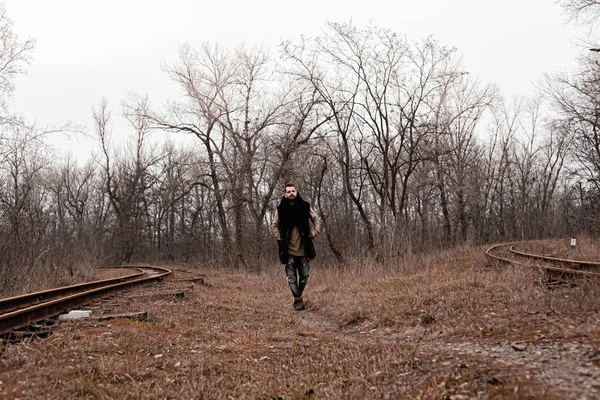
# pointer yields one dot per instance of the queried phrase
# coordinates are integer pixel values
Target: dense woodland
(395, 144)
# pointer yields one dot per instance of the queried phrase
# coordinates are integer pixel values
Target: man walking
(295, 239)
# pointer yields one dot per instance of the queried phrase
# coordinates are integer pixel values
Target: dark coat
(290, 215)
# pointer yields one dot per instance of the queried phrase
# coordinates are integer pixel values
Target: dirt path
(567, 367)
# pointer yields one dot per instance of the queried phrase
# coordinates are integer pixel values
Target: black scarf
(294, 213)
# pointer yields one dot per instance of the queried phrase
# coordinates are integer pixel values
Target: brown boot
(298, 304)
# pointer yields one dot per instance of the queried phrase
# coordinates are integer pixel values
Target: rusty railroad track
(557, 267)
(23, 310)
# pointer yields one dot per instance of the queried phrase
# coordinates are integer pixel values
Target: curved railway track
(507, 253)
(20, 311)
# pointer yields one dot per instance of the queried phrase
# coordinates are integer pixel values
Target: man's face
(290, 193)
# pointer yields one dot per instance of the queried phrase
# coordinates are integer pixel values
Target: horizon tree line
(397, 146)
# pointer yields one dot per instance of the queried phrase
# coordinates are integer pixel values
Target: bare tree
(462, 104)
(15, 56)
(249, 125)
(23, 198)
(338, 89)
(386, 97)
(554, 151)
(495, 191)
(73, 188)
(127, 179)
(577, 98)
(586, 12)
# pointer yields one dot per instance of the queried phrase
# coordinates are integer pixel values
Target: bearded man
(295, 240)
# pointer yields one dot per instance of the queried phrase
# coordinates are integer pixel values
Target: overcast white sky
(92, 49)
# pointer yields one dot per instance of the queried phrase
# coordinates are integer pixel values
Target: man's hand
(313, 234)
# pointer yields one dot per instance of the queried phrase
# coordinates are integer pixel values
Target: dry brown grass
(586, 249)
(456, 290)
(44, 274)
(430, 327)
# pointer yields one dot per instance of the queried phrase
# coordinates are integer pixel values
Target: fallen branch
(171, 293)
(199, 279)
(136, 316)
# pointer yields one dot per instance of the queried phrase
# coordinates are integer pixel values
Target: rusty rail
(16, 302)
(19, 311)
(588, 265)
(494, 257)
(552, 260)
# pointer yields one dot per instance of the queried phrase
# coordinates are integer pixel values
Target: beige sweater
(295, 247)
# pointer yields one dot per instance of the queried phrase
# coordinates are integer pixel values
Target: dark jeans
(297, 269)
